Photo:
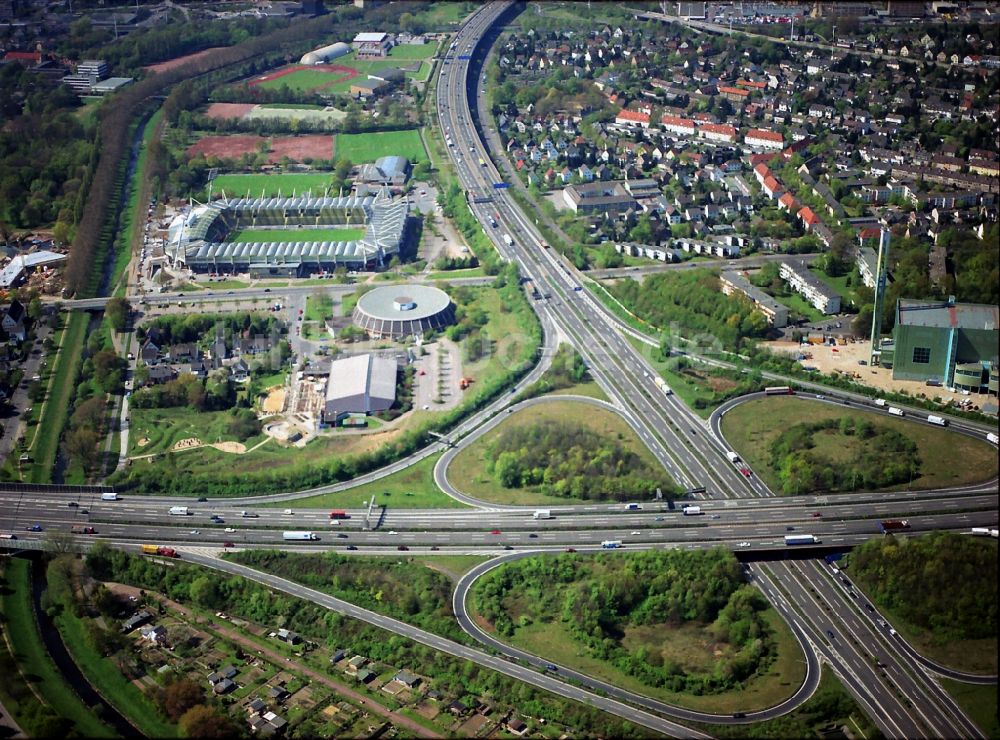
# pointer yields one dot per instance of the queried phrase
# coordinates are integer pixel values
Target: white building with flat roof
(814, 290)
(365, 384)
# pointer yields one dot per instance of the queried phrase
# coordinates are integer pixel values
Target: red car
(816, 513)
(494, 531)
(746, 472)
(229, 544)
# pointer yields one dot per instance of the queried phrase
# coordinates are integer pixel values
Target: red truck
(339, 514)
(166, 552)
(892, 525)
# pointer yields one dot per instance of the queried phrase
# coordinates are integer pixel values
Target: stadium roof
(188, 240)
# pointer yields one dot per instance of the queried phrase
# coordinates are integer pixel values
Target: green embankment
(34, 664)
(947, 458)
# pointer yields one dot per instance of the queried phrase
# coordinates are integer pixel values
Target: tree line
(596, 600)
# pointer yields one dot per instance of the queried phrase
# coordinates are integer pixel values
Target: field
(307, 79)
(412, 488)
(688, 645)
(360, 148)
(296, 148)
(269, 186)
(979, 702)
(298, 235)
(948, 459)
(467, 471)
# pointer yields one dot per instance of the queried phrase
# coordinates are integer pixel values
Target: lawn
(32, 657)
(848, 294)
(319, 307)
(362, 148)
(467, 471)
(797, 304)
(979, 702)
(411, 488)
(687, 645)
(57, 399)
(412, 51)
(238, 186)
(948, 459)
(298, 235)
(161, 429)
(445, 14)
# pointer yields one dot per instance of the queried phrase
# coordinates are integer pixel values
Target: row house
(677, 125)
(734, 282)
(718, 132)
(632, 119)
(761, 139)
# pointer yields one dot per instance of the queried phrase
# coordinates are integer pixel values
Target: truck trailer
(543, 514)
(691, 510)
(893, 525)
(801, 539)
(611, 544)
(938, 420)
(896, 411)
(178, 511)
(733, 457)
(299, 536)
(109, 497)
(991, 437)
(662, 385)
(166, 552)
(507, 240)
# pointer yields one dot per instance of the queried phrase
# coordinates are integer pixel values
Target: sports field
(362, 148)
(237, 186)
(297, 235)
(337, 77)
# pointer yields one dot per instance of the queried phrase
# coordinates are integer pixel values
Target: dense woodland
(573, 462)
(247, 599)
(595, 601)
(882, 456)
(944, 582)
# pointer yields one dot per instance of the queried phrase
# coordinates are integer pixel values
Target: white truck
(662, 385)
(109, 497)
(611, 544)
(507, 240)
(633, 507)
(543, 514)
(991, 437)
(298, 536)
(178, 511)
(896, 411)
(880, 402)
(691, 510)
(733, 457)
(939, 420)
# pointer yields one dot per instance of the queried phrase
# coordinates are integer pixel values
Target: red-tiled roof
(677, 121)
(633, 115)
(717, 128)
(734, 91)
(759, 133)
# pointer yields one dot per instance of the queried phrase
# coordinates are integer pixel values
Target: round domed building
(399, 311)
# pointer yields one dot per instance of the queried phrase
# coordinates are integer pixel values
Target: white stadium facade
(197, 239)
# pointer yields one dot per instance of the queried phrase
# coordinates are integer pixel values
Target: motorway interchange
(835, 627)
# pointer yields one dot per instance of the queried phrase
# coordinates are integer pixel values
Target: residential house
(632, 119)
(156, 634)
(136, 620)
(717, 132)
(761, 139)
(158, 374)
(13, 321)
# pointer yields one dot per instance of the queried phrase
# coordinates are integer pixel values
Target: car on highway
(869, 607)
(714, 516)
(435, 547)
(229, 530)
(551, 667)
(570, 549)
(393, 531)
(743, 544)
(84, 511)
(402, 547)
(746, 472)
(227, 543)
(817, 513)
(508, 547)
(789, 529)
(194, 531)
(494, 531)
(831, 635)
(658, 519)
(532, 536)
(33, 528)
(635, 532)
(739, 715)
(72, 504)
(352, 547)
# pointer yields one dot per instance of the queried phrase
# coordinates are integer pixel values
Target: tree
(180, 696)
(203, 721)
(82, 446)
(117, 311)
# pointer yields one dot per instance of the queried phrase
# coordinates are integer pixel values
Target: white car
(393, 531)
(636, 532)
(195, 531)
(229, 530)
(744, 544)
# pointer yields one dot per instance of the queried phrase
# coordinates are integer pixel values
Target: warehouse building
(365, 384)
(953, 343)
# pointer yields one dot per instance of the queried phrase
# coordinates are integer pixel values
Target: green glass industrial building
(953, 343)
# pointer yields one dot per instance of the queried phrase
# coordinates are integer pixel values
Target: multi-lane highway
(738, 511)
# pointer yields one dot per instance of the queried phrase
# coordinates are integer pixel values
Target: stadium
(199, 239)
(399, 311)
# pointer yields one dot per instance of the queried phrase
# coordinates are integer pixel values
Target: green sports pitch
(297, 235)
(270, 186)
(362, 148)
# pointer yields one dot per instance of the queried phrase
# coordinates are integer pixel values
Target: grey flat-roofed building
(401, 311)
(777, 313)
(814, 290)
(110, 85)
(598, 197)
(364, 384)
